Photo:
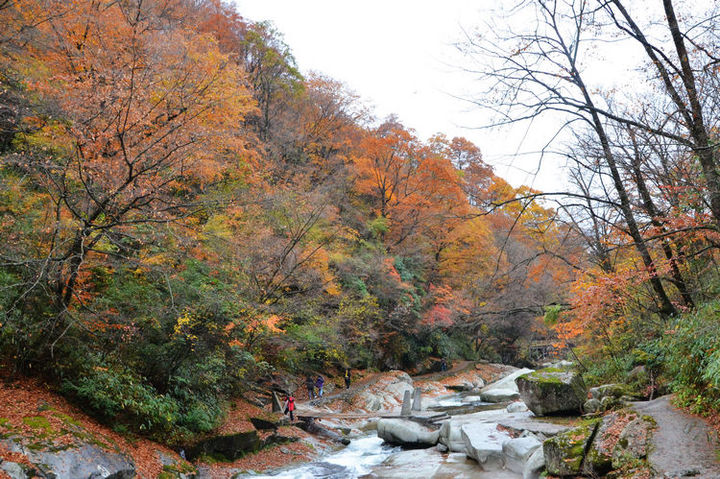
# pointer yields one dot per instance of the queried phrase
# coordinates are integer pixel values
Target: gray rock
(84, 461)
(451, 436)
(484, 443)
(535, 465)
(535, 426)
(612, 390)
(508, 382)
(276, 404)
(499, 395)
(517, 406)
(406, 433)
(549, 391)
(518, 451)
(76, 462)
(632, 443)
(592, 406)
(13, 469)
(417, 400)
(406, 405)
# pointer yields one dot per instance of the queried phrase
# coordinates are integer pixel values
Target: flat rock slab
(430, 464)
(681, 444)
(499, 395)
(518, 425)
(484, 443)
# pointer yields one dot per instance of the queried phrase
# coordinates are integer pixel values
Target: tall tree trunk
(654, 215)
(666, 306)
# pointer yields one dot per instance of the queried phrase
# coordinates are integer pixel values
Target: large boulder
(505, 389)
(517, 452)
(83, 461)
(484, 443)
(616, 391)
(451, 436)
(565, 452)
(406, 433)
(386, 393)
(552, 390)
(598, 460)
(228, 447)
(632, 444)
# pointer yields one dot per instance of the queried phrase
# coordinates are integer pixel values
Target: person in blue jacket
(319, 383)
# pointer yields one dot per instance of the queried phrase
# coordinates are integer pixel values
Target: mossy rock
(609, 402)
(226, 448)
(565, 452)
(552, 390)
(615, 391)
(632, 445)
(598, 460)
(38, 422)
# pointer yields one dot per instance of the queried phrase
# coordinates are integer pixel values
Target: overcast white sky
(399, 56)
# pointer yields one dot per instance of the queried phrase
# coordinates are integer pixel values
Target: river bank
(469, 424)
(42, 433)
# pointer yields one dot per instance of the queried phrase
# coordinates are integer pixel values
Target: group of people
(312, 385)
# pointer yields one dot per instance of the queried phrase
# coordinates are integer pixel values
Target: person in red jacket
(290, 406)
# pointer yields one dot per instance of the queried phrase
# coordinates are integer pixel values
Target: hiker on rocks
(347, 378)
(443, 365)
(319, 383)
(310, 384)
(289, 406)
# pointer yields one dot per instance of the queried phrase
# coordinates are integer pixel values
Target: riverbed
(369, 457)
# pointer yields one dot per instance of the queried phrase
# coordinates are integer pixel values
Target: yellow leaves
(184, 326)
(217, 227)
(158, 259)
(469, 254)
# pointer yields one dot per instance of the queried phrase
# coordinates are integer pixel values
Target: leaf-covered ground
(29, 409)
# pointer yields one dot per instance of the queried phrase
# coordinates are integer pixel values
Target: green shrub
(692, 358)
(120, 395)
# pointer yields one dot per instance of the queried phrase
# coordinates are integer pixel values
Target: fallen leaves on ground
(29, 409)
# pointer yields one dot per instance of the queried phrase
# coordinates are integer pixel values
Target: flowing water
(354, 461)
(368, 457)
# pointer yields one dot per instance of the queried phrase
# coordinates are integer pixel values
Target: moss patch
(39, 422)
(565, 452)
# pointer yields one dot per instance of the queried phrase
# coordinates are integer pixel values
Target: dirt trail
(682, 445)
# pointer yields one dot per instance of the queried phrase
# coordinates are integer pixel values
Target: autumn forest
(183, 212)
